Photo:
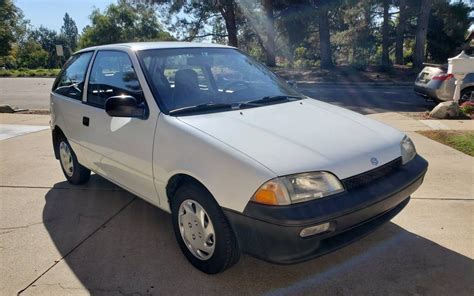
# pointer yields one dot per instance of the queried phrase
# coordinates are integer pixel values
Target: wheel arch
(178, 180)
(468, 87)
(57, 133)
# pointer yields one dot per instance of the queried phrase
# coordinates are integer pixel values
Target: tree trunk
(385, 37)
(400, 33)
(421, 32)
(324, 40)
(269, 26)
(228, 13)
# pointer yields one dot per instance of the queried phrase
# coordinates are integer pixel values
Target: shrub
(467, 108)
(24, 72)
(302, 64)
(5, 73)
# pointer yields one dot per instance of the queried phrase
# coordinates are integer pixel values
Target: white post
(459, 66)
(457, 90)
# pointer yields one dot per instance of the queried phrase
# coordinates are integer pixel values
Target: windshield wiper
(201, 107)
(271, 99)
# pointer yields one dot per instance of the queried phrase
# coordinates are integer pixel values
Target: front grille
(372, 175)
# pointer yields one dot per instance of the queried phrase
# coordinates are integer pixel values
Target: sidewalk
(28, 119)
(408, 124)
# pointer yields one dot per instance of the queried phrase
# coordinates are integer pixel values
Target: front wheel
(202, 230)
(74, 172)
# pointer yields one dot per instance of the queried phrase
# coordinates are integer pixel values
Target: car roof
(155, 45)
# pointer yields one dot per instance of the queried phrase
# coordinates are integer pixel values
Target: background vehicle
(243, 162)
(436, 84)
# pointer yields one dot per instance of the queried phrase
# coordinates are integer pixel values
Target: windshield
(191, 77)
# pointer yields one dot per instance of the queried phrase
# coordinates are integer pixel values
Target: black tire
(465, 92)
(226, 252)
(80, 174)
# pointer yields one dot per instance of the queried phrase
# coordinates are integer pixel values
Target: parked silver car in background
(436, 84)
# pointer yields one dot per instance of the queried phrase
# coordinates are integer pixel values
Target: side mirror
(292, 83)
(125, 106)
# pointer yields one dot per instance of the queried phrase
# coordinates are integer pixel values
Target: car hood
(304, 136)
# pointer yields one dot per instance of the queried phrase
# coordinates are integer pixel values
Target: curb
(6, 109)
(11, 110)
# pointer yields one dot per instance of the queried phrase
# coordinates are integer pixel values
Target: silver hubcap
(196, 229)
(66, 158)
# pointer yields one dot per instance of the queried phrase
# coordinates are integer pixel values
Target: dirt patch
(417, 115)
(34, 112)
(460, 140)
(426, 116)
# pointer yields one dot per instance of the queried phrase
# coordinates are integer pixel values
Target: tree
(70, 33)
(198, 16)
(385, 34)
(324, 35)
(123, 22)
(421, 32)
(447, 29)
(8, 15)
(400, 32)
(269, 21)
(354, 36)
(32, 55)
(48, 39)
(227, 8)
(13, 27)
(296, 27)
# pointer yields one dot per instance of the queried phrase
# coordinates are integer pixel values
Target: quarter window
(71, 81)
(112, 74)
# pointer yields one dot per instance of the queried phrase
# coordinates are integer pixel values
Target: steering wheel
(236, 83)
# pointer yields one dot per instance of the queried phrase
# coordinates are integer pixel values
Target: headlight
(297, 188)
(408, 149)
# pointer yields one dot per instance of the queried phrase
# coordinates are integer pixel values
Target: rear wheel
(202, 230)
(467, 95)
(74, 172)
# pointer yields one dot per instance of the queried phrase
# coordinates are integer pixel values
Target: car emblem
(374, 161)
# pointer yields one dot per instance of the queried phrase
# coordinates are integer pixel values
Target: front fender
(230, 176)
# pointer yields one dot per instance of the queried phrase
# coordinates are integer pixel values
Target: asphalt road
(33, 93)
(29, 93)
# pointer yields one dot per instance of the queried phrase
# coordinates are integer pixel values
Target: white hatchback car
(242, 161)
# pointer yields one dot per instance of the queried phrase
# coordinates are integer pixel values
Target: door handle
(85, 121)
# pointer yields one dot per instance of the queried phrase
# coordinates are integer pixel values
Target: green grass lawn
(22, 72)
(459, 140)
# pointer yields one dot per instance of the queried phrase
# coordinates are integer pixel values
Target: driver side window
(112, 74)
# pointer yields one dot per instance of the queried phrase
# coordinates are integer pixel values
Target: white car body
(231, 153)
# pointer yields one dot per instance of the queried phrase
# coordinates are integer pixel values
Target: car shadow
(113, 241)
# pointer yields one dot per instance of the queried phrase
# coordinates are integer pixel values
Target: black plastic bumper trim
(274, 236)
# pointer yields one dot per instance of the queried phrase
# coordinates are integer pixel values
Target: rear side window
(112, 74)
(70, 82)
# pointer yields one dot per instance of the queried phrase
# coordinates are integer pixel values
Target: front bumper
(272, 233)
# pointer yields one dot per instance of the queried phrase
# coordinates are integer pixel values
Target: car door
(120, 149)
(66, 101)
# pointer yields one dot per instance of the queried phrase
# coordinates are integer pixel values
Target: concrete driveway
(59, 239)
